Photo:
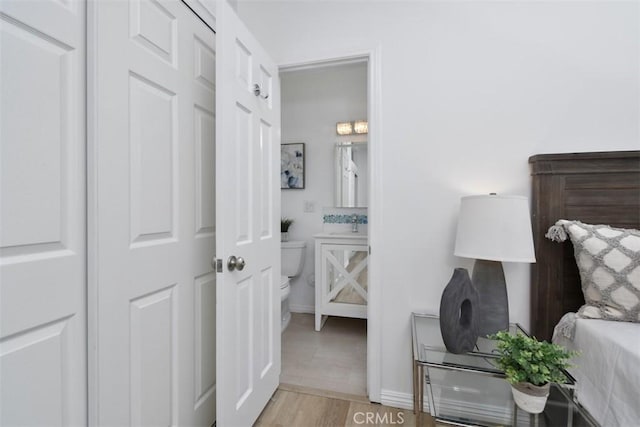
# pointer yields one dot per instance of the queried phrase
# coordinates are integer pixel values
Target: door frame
(204, 10)
(374, 140)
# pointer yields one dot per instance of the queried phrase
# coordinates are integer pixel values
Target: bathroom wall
(469, 90)
(313, 101)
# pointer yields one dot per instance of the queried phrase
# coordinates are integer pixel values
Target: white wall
(469, 91)
(313, 101)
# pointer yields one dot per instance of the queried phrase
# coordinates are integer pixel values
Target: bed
(595, 188)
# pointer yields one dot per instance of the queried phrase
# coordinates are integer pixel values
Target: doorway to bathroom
(322, 351)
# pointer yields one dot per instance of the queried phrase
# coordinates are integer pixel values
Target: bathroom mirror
(351, 172)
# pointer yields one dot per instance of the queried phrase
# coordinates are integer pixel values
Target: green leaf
(526, 359)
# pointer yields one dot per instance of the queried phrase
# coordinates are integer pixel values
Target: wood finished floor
(333, 359)
(302, 407)
(323, 380)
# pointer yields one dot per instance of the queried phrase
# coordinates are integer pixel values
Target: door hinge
(369, 250)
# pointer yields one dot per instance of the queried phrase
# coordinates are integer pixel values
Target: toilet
(291, 264)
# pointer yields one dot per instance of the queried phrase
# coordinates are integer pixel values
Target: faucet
(354, 223)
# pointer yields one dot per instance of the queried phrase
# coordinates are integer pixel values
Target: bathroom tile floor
(333, 359)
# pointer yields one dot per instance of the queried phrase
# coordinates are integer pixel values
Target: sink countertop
(341, 235)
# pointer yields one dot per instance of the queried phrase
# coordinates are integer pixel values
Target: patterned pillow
(609, 263)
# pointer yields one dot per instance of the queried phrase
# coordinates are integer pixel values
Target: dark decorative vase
(459, 313)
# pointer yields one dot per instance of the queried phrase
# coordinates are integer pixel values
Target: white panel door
(248, 311)
(153, 312)
(42, 213)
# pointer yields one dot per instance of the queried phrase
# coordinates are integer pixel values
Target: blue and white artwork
(292, 165)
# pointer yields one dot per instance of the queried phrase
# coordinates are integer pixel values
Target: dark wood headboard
(595, 188)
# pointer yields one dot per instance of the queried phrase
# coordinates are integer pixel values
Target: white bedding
(607, 370)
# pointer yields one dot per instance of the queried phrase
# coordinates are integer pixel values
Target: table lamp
(493, 229)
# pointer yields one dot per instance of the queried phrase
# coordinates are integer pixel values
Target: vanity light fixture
(352, 128)
(344, 128)
(361, 126)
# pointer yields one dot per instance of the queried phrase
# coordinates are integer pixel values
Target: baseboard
(398, 400)
(295, 308)
(462, 409)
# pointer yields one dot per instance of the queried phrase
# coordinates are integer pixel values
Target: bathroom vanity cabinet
(341, 276)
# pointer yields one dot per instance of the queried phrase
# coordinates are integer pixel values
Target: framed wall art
(292, 166)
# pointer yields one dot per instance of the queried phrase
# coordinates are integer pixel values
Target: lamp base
(493, 310)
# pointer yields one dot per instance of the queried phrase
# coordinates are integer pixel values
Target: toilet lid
(284, 281)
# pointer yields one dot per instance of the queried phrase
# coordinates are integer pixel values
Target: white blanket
(607, 370)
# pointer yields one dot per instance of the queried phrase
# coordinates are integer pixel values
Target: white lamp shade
(495, 228)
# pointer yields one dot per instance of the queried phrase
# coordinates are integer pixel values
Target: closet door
(154, 214)
(42, 213)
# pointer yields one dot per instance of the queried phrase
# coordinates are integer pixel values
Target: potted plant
(285, 223)
(531, 366)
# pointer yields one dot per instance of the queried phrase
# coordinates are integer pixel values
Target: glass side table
(469, 389)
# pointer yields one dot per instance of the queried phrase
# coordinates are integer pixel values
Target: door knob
(234, 263)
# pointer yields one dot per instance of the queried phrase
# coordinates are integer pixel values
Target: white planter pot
(284, 236)
(529, 397)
